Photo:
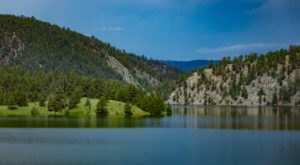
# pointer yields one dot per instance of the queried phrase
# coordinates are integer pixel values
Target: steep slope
(36, 45)
(270, 79)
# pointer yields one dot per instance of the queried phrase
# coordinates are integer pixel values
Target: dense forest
(267, 79)
(39, 46)
(58, 91)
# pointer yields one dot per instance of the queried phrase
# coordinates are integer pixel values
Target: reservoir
(192, 135)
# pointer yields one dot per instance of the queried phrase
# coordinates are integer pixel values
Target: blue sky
(174, 29)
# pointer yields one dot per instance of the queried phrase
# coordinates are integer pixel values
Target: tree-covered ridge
(271, 78)
(64, 90)
(35, 45)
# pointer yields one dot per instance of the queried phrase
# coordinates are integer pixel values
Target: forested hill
(267, 79)
(39, 46)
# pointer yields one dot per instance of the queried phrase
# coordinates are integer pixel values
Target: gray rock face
(122, 70)
(216, 90)
(10, 49)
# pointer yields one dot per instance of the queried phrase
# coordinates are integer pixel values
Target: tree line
(59, 90)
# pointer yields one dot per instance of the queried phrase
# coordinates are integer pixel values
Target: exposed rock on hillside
(36, 45)
(271, 79)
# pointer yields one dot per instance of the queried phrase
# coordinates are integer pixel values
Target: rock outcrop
(241, 84)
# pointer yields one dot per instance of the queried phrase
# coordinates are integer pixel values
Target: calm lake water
(192, 135)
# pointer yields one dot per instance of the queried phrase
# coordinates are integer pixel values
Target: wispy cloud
(111, 28)
(241, 48)
(161, 4)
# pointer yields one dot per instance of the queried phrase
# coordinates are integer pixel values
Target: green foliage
(251, 75)
(88, 104)
(101, 109)
(17, 87)
(34, 111)
(75, 98)
(169, 109)
(274, 98)
(12, 107)
(260, 94)
(234, 89)
(244, 93)
(57, 103)
(284, 95)
(42, 103)
(20, 98)
(50, 48)
(152, 103)
(127, 109)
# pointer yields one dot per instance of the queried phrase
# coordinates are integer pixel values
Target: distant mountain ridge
(35, 45)
(187, 66)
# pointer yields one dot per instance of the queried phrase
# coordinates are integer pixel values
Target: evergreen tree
(169, 109)
(153, 104)
(34, 111)
(88, 104)
(42, 103)
(57, 103)
(274, 98)
(244, 93)
(210, 64)
(20, 99)
(260, 94)
(128, 109)
(102, 107)
(75, 98)
(11, 102)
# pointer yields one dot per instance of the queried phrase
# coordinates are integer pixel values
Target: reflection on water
(239, 117)
(224, 117)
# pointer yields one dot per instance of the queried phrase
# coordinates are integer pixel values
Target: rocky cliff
(270, 79)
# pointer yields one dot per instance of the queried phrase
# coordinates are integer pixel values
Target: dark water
(192, 135)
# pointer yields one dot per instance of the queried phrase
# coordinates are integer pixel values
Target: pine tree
(42, 103)
(20, 99)
(169, 109)
(101, 107)
(57, 103)
(260, 94)
(88, 104)
(244, 93)
(128, 109)
(11, 102)
(34, 111)
(75, 98)
(274, 99)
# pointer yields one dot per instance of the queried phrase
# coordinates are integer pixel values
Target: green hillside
(39, 46)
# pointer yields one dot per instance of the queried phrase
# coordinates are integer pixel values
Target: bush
(34, 111)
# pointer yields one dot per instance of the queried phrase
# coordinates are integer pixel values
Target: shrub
(34, 111)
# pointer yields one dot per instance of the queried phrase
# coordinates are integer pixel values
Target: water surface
(192, 135)
(221, 117)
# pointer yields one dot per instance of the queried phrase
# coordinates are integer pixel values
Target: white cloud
(111, 28)
(241, 48)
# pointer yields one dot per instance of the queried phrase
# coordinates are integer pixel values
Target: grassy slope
(115, 108)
